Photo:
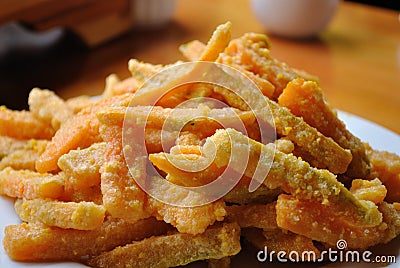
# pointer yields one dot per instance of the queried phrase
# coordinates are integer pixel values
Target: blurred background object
(294, 19)
(152, 13)
(355, 57)
(391, 4)
(46, 43)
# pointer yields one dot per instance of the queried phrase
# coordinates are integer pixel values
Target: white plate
(379, 138)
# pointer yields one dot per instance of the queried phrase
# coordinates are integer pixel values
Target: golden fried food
(36, 242)
(79, 216)
(122, 197)
(23, 125)
(82, 166)
(305, 99)
(326, 224)
(371, 190)
(215, 243)
(261, 216)
(30, 184)
(295, 176)
(25, 157)
(386, 167)
(190, 220)
(48, 107)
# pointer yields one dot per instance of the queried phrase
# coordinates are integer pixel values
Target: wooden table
(357, 58)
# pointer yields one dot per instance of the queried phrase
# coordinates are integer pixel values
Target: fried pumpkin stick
(215, 243)
(123, 197)
(288, 173)
(23, 125)
(79, 131)
(37, 242)
(305, 99)
(29, 184)
(322, 223)
(79, 216)
(239, 95)
(295, 176)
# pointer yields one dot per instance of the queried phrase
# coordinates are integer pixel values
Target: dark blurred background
(392, 4)
(29, 59)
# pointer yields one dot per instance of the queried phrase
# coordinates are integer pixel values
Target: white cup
(294, 18)
(152, 13)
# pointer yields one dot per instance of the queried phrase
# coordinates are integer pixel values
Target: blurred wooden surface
(357, 58)
(85, 17)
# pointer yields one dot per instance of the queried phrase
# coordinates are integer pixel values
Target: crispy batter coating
(48, 107)
(25, 157)
(251, 53)
(297, 177)
(386, 167)
(82, 166)
(115, 86)
(9, 145)
(30, 185)
(190, 220)
(326, 151)
(79, 131)
(174, 249)
(36, 242)
(23, 125)
(79, 216)
(122, 197)
(324, 223)
(305, 99)
(261, 216)
(371, 190)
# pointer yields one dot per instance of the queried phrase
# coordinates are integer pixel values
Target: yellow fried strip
(30, 184)
(174, 249)
(323, 223)
(295, 176)
(217, 43)
(79, 131)
(23, 125)
(373, 190)
(251, 53)
(192, 50)
(305, 99)
(82, 166)
(50, 108)
(25, 157)
(326, 152)
(122, 197)
(197, 51)
(36, 242)
(77, 104)
(186, 177)
(79, 216)
(261, 216)
(9, 145)
(386, 167)
(190, 220)
(156, 116)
